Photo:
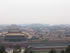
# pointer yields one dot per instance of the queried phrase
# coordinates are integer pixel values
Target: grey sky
(34, 11)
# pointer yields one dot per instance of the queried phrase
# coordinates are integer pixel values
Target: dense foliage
(52, 51)
(2, 49)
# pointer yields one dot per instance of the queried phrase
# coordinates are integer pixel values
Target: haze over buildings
(36, 31)
(35, 11)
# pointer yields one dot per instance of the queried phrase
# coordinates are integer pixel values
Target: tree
(68, 49)
(2, 49)
(17, 49)
(31, 51)
(62, 51)
(52, 51)
(26, 50)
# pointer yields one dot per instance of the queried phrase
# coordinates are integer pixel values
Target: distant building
(1, 37)
(15, 34)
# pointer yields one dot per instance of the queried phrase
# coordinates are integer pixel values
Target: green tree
(68, 49)
(2, 49)
(17, 49)
(52, 51)
(26, 50)
(31, 51)
(62, 51)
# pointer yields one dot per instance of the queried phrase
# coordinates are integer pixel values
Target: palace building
(15, 34)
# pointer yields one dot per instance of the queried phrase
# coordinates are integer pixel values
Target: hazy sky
(34, 11)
